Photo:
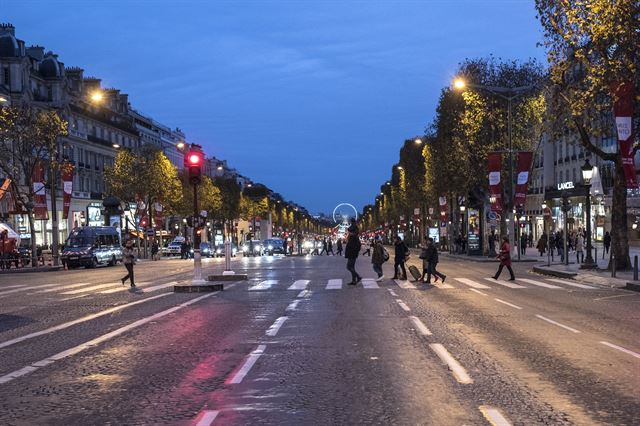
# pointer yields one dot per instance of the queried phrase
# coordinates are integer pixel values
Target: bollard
(635, 268)
(613, 266)
(596, 255)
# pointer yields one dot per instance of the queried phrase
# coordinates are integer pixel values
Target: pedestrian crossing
(64, 292)
(451, 284)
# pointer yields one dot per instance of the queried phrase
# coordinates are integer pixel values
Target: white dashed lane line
(550, 321)
(275, 327)
(621, 349)
(403, 305)
(507, 303)
(494, 416)
(293, 305)
(393, 293)
(458, 370)
(422, 329)
(248, 364)
(206, 418)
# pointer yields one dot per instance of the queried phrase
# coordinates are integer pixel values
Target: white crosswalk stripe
(540, 283)
(572, 284)
(369, 283)
(335, 284)
(505, 283)
(63, 287)
(404, 284)
(125, 287)
(471, 283)
(88, 289)
(24, 288)
(299, 285)
(264, 285)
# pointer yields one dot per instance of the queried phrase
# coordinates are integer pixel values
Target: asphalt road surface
(296, 345)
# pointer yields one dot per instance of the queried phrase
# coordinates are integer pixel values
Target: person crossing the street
(330, 247)
(431, 259)
(352, 250)
(378, 258)
(339, 247)
(128, 259)
(505, 259)
(400, 256)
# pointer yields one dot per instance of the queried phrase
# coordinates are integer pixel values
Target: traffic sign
(151, 232)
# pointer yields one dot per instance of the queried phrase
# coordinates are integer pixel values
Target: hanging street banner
(157, 215)
(67, 187)
(623, 108)
(39, 193)
(495, 182)
(4, 187)
(442, 201)
(525, 158)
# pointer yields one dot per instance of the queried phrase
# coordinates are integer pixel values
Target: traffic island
(550, 271)
(198, 288)
(633, 286)
(228, 277)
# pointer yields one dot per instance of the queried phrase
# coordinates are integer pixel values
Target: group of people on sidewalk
(575, 243)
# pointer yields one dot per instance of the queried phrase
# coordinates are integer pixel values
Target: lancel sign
(565, 185)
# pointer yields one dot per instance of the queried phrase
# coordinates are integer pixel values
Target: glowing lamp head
(459, 84)
(194, 159)
(97, 96)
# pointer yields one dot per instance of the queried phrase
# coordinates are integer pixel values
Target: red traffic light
(194, 159)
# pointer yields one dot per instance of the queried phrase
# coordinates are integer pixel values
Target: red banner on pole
(67, 186)
(495, 182)
(623, 108)
(524, 165)
(157, 215)
(39, 193)
(442, 201)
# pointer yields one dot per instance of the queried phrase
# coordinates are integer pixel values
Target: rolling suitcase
(415, 273)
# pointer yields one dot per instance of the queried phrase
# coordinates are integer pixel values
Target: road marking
(369, 283)
(293, 305)
(14, 286)
(393, 293)
(304, 293)
(505, 283)
(88, 289)
(94, 342)
(620, 348)
(127, 288)
(206, 418)
(334, 285)
(77, 321)
(420, 326)
(540, 283)
(159, 287)
(403, 305)
(471, 283)
(478, 291)
(443, 286)
(573, 330)
(494, 416)
(299, 285)
(264, 285)
(24, 288)
(566, 282)
(507, 303)
(404, 284)
(616, 296)
(70, 298)
(249, 361)
(275, 327)
(66, 287)
(458, 370)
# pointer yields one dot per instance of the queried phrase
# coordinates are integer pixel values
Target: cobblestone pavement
(295, 344)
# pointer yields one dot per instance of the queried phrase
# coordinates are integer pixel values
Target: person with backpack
(352, 250)
(378, 257)
(400, 255)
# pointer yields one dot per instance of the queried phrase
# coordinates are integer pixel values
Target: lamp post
(566, 206)
(587, 174)
(544, 224)
(463, 209)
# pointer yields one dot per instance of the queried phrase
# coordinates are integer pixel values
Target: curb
(198, 288)
(234, 277)
(29, 270)
(554, 273)
(633, 286)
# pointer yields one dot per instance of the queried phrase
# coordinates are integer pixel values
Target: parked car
(91, 246)
(174, 247)
(273, 246)
(206, 250)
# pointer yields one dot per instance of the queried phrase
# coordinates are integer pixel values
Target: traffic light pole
(197, 259)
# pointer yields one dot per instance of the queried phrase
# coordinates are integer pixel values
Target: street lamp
(587, 174)
(180, 145)
(463, 208)
(96, 96)
(544, 222)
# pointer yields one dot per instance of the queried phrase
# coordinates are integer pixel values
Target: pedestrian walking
(400, 256)
(560, 245)
(492, 244)
(339, 246)
(128, 259)
(352, 250)
(607, 243)
(367, 252)
(378, 258)
(330, 247)
(579, 248)
(505, 259)
(154, 250)
(542, 244)
(432, 262)
(325, 247)
(183, 249)
(523, 244)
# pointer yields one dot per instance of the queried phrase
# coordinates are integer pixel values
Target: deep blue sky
(312, 98)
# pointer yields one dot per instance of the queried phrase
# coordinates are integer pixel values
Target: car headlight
(191, 251)
(270, 247)
(245, 248)
(258, 247)
(218, 251)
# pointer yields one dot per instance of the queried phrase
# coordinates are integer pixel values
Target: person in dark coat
(378, 258)
(432, 262)
(352, 250)
(330, 247)
(339, 246)
(505, 259)
(400, 256)
(492, 244)
(607, 242)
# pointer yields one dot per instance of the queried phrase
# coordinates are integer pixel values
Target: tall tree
(27, 137)
(592, 47)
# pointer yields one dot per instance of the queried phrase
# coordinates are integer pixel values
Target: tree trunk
(619, 227)
(34, 246)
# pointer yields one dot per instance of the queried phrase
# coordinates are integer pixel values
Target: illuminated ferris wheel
(343, 213)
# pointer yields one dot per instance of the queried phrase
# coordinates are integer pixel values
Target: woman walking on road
(128, 259)
(378, 258)
(401, 251)
(505, 259)
(431, 260)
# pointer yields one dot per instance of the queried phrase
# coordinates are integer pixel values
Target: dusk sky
(311, 98)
